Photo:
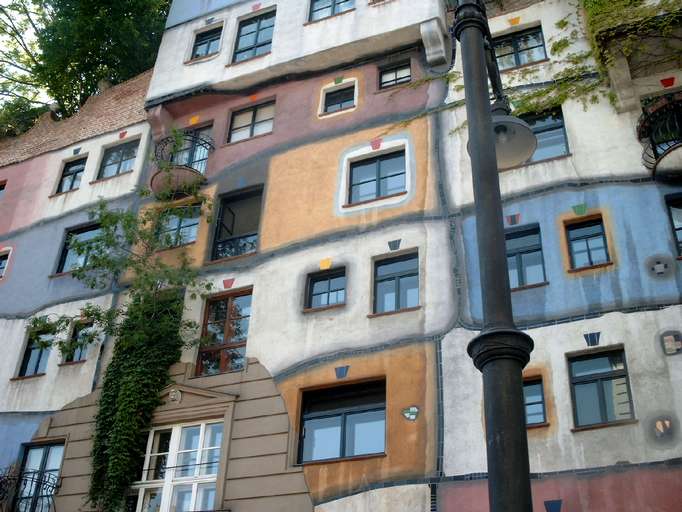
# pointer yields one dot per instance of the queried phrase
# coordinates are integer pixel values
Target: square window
(118, 159)
(71, 175)
(254, 36)
(395, 75)
(675, 212)
(320, 9)
(396, 283)
(587, 244)
(524, 257)
(550, 133)
(206, 43)
(326, 288)
(4, 261)
(377, 177)
(339, 99)
(179, 226)
(238, 223)
(39, 477)
(36, 355)
(600, 388)
(251, 122)
(195, 149)
(534, 400)
(70, 258)
(79, 346)
(520, 48)
(342, 422)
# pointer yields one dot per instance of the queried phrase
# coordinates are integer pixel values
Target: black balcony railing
(27, 492)
(235, 246)
(660, 130)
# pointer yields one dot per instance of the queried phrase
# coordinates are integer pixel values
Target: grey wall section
(186, 10)
(15, 429)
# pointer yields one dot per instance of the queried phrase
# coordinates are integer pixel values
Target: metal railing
(29, 491)
(188, 148)
(660, 128)
(235, 246)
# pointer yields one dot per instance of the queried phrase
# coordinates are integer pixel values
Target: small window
(4, 261)
(36, 354)
(520, 48)
(71, 175)
(339, 99)
(320, 9)
(587, 244)
(81, 331)
(396, 284)
(195, 149)
(524, 257)
(238, 224)
(206, 43)
(39, 477)
(600, 389)
(675, 211)
(2, 188)
(377, 177)
(534, 400)
(254, 37)
(225, 331)
(179, 226)
(342, 422)
(395, 75)
(252, 122)
(70, 259)
(326, 288)
(550, 133)
(118, 159)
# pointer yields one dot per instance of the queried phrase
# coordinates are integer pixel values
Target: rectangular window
(179, 226)
(396, 283)
(226, 329)
(206, 43)
(39, 478)
(339, 99)
(587, 244)
(4, 260)
(195, 149)
(71, 175)
(252, 122)
(238, 223)
(326, 288)
(2, 188)
(395, 75)
(79, 351)
(70, 259)
(254, 36)
(179, 470)
(600, 389)
(520, 48)
(524, 257)
(118, 159)
(675, 211)
(320, 9)
(342, 422)
(534, 400)
(36, 354)
(377, 177)
(550, 133)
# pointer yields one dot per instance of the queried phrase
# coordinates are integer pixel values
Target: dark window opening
(118, 159)
(70, 259)
(206, 43)
(39, 478)
(2, 188)
(254, 36)
(81, 332)
(340, 99)
(520, 48)
(4, 261)
(342, 422)
(238, 223)
(71, 175)
(225, 331)
(587, 244)
(550, 132)
(534, 400)
(524, 257)
(377, 177)
(36, 354)
(252, 122)
(194, 151)
(600, 389)
(179, 226)
(396, 283)
(326, 288)
(675, 211)
(395, 75)
(320, 9)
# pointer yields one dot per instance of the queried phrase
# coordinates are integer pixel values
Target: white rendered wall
(406, 498)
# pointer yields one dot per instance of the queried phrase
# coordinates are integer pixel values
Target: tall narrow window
(320, 9)
(39, 478)
(225, 332)
(195, 149)
(587, 244)
(179, 226)
(71, 175)
(524, 257)
(675, 211)
(534, 400)
(550, 133)
(326, 288)
(36, 354)
(339, 99)
(396, 283)
(70, 259)
(342, 422)
(395, 75)
(254, 36)
(206, 43)
(377, 177)
(238, 223)
(600, 389)
(79, 336)
(2, 188)
(118, 159)
(252, 122)
(520, 48)
(4, 261)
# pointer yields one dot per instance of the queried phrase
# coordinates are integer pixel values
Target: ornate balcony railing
(27, 492)
(235, 246)
(660, 132)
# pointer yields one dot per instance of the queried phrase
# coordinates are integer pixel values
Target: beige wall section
(410, 374)
(257, 477)
(404, 498)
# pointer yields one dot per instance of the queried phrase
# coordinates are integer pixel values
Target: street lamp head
(515, 142)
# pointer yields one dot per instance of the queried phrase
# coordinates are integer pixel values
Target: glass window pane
(392, 185)
(210, 459)
(587, 404)
(320, 300)
(186, 464)
(531, 55)
(54, 457)
(189, 440)
(512, 267)
(214, 435)
(44, 356)
(533, 268)
(392, 164)
(596, 365)
(263, 127)
(182, 498)
(365, 433)
(34, 459)
(337, 283)
(386, 296)
(321, 13)
(506, 62)
(152, 500)
(242, 119)
(205, 497)
(534, 414)
(597, 250)
(240, 329)
(523, 240)
(532, 392)
(529, 40)
(240, 134)
(585, 230)
(265, 112)
(161, 443)
(580, 254)
(235, 357)
(617, 399)
(676, 214)
(363, 192)
(401, 266)
(322, 438)
(265, 35)
(409, 292)
(363, 171)
(551, 144)
(241, 306)
(263, 49)
(321, 286)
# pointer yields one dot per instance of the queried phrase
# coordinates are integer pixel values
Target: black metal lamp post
(500, 351)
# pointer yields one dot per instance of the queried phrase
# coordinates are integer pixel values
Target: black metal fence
(27, 492)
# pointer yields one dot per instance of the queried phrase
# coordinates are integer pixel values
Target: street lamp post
(500, 351)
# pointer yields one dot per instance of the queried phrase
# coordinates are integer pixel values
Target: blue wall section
(638, 220)
(15, 429)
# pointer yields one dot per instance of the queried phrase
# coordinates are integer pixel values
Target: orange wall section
(410, 374)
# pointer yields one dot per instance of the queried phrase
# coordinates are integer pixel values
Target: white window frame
(332, 87)
(169, 482)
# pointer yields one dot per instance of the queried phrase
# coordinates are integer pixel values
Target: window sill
(546, 160)
(246, 140)
(324, 115)
(523, 66)
(230, 258)
(247, 60)
(537, 425)
(57, 194)
(60, 274)
(205, 58)
(591, 267)
(397, 312)
(605, 425)
(323, 308)
(313, 22)
(368, 201)
(100, 180)
(72, 363)
(167, 249)
(341, 459)
(27, 377)
(530, 286)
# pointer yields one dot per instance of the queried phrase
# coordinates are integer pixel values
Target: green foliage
(18, 115)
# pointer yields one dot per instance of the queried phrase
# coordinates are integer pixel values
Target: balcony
(182, 159)
(29, 491)
(660, 132)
